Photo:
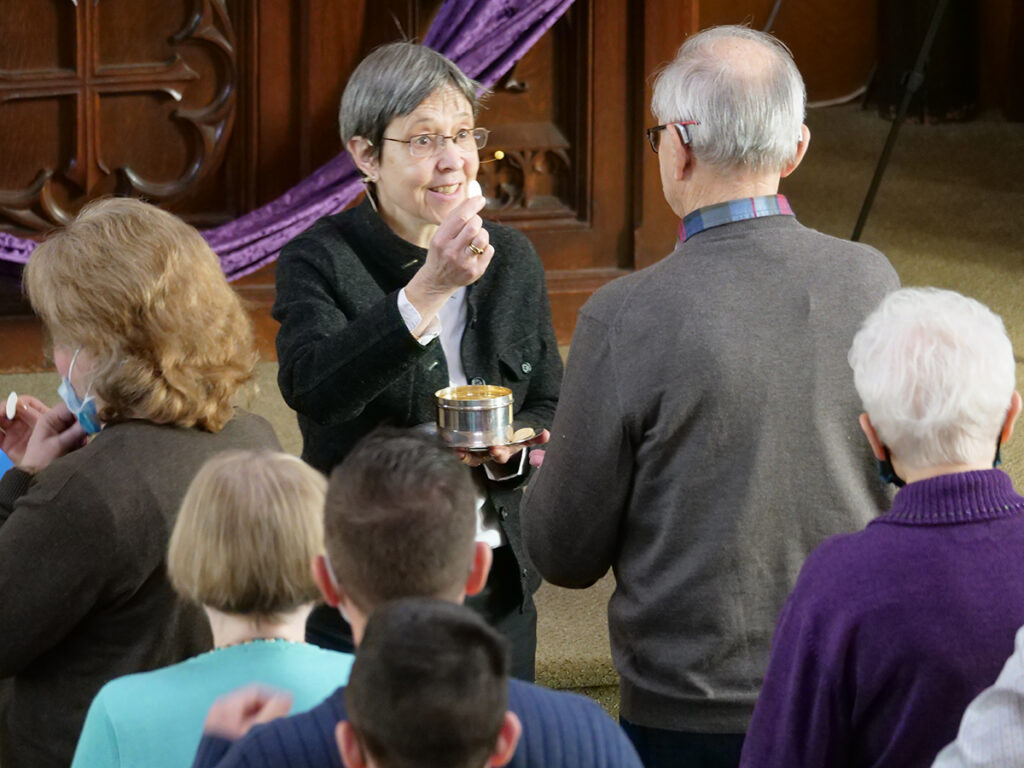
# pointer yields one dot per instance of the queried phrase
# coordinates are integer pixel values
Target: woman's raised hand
(458, 255)
(55, 433)
(460, 250)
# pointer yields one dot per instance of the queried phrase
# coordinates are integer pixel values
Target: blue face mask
(83, 410)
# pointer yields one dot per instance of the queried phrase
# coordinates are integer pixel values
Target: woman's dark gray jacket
(349, 364)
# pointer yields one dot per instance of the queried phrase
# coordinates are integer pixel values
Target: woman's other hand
(56, 432)
(458, 255)
(17, 431)
(233, 715)
(500, 454)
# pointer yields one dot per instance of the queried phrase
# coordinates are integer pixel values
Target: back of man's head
(429, 689)
(744, 91)
(400, 519)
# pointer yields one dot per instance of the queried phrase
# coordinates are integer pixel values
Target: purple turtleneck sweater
(889, 633)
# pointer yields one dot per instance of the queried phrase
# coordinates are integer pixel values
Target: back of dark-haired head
(429, 687)
(400, 519)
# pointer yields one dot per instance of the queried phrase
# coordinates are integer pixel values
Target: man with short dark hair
(395, 491)
(706, 437)
(402, 502)
(428, 690)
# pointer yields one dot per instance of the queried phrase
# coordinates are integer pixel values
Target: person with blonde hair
(248, 531)
(399, 523)
(152, 346)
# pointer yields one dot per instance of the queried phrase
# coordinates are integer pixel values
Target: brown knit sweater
(84, 597)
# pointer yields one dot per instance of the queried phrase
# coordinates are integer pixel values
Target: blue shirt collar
(734, 210)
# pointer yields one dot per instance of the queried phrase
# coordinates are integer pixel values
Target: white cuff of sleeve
(412, 319)
(499, 472)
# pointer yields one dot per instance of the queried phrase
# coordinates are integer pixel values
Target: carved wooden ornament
(55, 194)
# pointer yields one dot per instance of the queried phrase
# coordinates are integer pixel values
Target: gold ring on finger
(476, 249)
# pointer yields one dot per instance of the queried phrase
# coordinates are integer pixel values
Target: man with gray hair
(706, 440)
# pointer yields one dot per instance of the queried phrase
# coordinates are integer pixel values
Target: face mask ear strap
(330, 570)
(888, 473)
(88, 389)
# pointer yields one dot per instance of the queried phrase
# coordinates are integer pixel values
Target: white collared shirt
(449, 325)
(992, 729)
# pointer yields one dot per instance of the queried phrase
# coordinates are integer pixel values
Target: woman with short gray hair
(411, 291)
(890, 632)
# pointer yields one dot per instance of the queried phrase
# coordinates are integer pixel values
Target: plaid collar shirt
(733, 210)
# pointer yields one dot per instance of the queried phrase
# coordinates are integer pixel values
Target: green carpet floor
(949, 212)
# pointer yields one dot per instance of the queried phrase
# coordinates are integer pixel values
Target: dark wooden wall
(214, 107)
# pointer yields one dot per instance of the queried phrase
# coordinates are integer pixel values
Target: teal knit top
(155, 719)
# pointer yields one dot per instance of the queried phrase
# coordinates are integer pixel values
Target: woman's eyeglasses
(654, 134)
(430, 144)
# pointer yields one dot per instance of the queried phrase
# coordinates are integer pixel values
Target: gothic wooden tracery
(55, 193)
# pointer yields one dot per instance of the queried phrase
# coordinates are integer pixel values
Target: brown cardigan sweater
(84, 597)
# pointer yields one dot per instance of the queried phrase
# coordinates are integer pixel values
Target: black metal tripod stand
(914, 81)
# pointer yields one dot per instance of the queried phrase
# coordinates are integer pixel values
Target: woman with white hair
(411, 291)
(890, 632)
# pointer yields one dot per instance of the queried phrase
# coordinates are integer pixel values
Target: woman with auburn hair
(248, 530)
(152, 345)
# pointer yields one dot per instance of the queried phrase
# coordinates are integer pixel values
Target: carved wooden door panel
(560, 118)
(116, 97)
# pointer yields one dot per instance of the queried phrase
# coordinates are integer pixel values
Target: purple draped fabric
(483, 37)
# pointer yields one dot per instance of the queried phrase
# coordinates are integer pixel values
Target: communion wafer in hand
(12, 405)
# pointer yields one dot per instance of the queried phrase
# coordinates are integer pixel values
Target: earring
(367, 181)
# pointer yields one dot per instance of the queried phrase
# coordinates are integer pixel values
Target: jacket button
(502, 513)
(477, 381)
(526, 367)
